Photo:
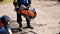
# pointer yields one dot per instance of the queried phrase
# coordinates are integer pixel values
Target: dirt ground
(46, 22)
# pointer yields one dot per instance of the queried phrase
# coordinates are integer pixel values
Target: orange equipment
(26, 12)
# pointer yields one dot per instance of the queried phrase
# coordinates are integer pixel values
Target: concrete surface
(46, 22)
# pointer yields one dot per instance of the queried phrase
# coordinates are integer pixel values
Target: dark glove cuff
(15, 4)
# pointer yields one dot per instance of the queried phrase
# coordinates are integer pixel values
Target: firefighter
(26, 3)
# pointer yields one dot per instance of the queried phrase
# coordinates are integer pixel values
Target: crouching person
(4, 26)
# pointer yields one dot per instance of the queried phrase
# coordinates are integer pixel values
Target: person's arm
(14, 0)
(15, 3)
(8, 29)
(29, 2)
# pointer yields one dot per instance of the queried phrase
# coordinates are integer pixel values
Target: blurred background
(5, 1)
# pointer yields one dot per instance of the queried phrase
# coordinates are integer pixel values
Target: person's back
(24, 2)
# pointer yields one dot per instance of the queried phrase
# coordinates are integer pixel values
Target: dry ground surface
(46, 22)
(5, 1)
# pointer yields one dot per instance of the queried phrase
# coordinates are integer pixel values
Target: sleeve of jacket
(29, 2)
